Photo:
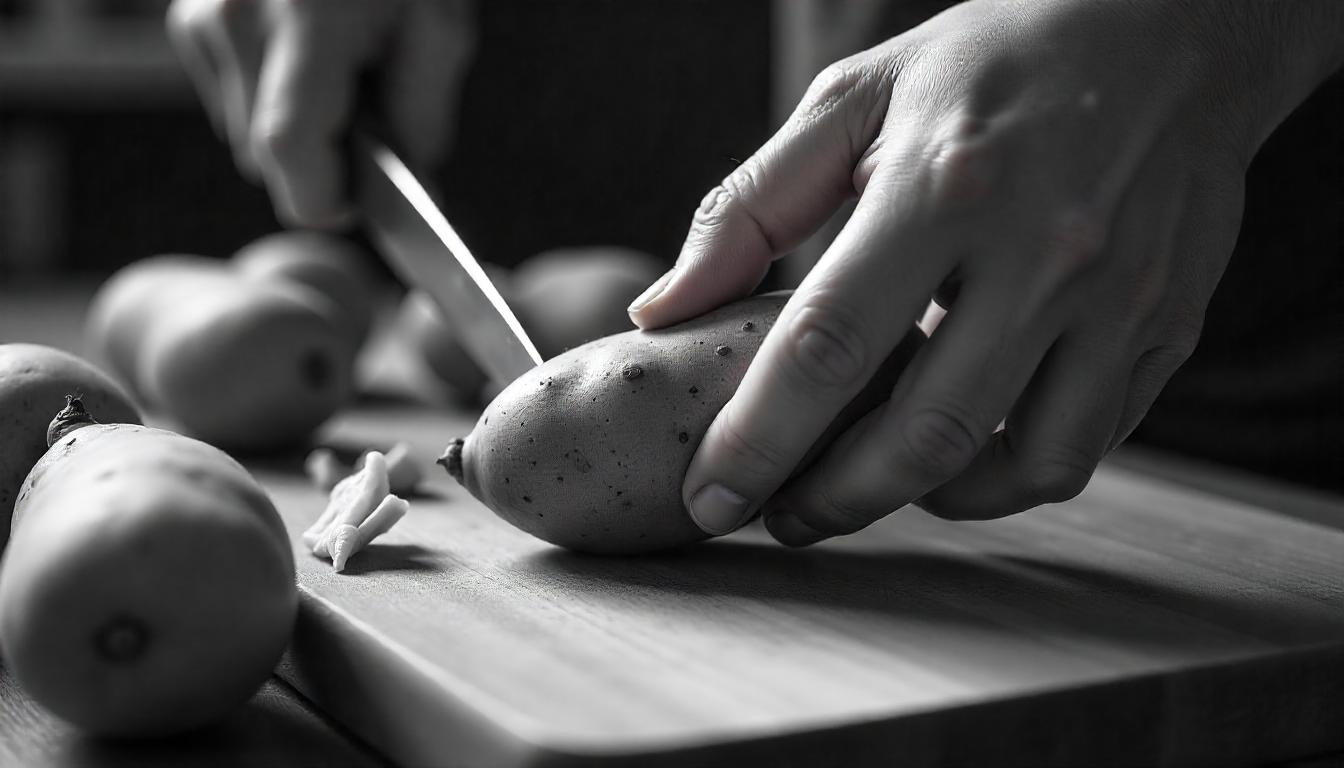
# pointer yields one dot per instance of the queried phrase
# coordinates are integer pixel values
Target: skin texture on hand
(1064, 176)
(280, 80)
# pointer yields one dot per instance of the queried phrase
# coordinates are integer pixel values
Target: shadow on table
(275, 728)
(1017, 591)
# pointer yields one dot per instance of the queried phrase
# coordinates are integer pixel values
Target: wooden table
(600, 601)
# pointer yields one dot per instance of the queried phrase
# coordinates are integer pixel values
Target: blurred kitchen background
(604, 122)
(585, 122)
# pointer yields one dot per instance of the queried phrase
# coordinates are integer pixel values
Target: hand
(1064, 176)
(280, 78)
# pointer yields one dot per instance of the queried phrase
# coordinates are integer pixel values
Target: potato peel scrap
(347, 540)
(404, 475)
(359, 509)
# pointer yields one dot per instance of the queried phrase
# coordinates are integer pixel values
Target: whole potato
(588, 450)
(34, 381)
(149, 584)
(331, 265)
(570, 296)
(421, 326)
(118, 316)
(244, 364)
(430, 336)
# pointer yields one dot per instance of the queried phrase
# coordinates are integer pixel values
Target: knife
(424, 250)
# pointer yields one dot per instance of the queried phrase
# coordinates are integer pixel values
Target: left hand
(280, 81)
(1066, 176)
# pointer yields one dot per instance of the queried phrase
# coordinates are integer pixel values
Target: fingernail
(651, 292)
(718, 510)
(790, 531)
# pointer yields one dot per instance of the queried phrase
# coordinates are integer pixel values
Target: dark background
(584, 122)
(604, 122)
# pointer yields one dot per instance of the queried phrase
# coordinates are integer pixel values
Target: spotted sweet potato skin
(588, 451)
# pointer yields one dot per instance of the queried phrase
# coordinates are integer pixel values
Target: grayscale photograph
(663, 383)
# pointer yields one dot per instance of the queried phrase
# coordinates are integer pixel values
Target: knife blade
(424, 250)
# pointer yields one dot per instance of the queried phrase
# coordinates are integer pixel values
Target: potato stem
(73, 416)
(451, 459)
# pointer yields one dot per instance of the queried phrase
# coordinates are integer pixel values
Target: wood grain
(1142, 623)
(274, 728)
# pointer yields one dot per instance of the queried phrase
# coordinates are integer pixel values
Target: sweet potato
(569, 296)
(149, 584)
(244, 364)
(588, 451)
(34, 381)
(333, 266)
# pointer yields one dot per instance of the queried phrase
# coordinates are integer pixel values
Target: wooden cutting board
(1142, 623)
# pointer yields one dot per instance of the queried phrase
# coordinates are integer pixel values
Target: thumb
(770, 203)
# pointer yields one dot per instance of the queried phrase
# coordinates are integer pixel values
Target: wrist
(1265, 58)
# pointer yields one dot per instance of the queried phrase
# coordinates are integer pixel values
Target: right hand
(280, 78)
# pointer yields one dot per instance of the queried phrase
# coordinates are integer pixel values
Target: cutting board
(1142, 623)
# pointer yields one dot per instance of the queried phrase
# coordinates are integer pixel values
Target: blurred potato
(430, 336)
(422, 327)
(569, 296)
(34, 381)
(241, 363)
(329, 264)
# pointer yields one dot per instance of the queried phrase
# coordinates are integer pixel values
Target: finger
(1066, 420)
(850, 311)
(941, 415)
(303, 109)
(236, 39)
(424, 76)
(1153, 370)
(1208, 225)
(185, 23)
(772, 201)
(1054, 438)
(939, 431)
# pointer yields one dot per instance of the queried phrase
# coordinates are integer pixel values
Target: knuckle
(853, 93)
(743, 183)
(963, 170)
(938, 440)
(750, 454)
(1056, 474)
(825, 347)
(832, 87)
(1172, 352)
(1185, 340)
(709, 214)
(957, 509)
(741, 195)
(1075, 239)
(839, 516)
(278, 138)
(1178, 352)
